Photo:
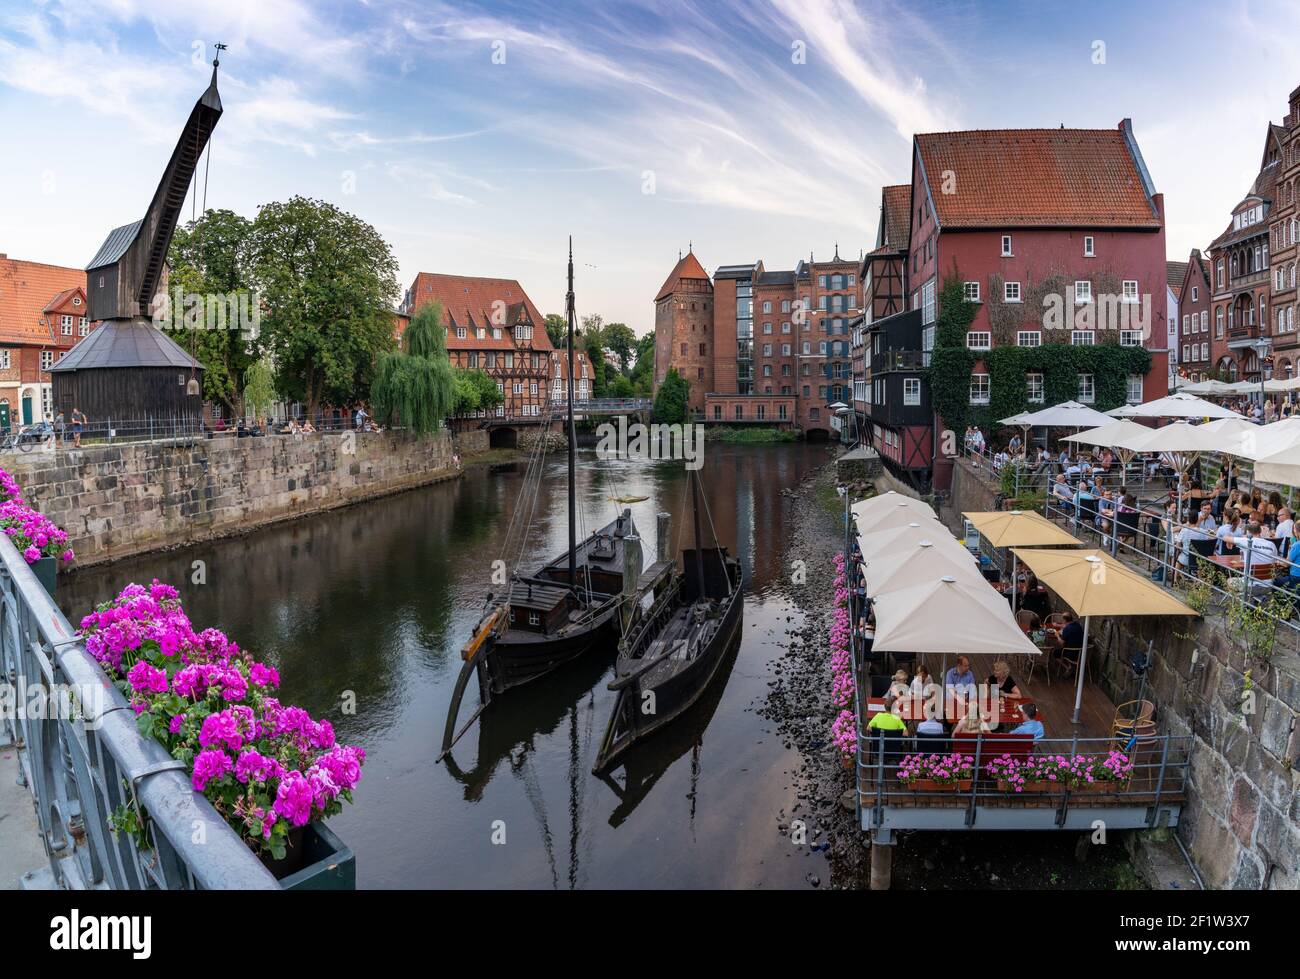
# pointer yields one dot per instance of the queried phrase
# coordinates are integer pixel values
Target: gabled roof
(895, 230)
(126, 343)
(115, 245)
(470, 301)
(27, 291)
(1175, 273)
(687, 267)
(1006, 178)
(1261, 191)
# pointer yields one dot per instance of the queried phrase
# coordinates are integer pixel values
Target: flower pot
(47, 572)
(317, 860)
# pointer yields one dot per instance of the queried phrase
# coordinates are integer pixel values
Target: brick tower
(684, 328)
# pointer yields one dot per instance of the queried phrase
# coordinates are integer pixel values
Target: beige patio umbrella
(896, 514)
(948, 614)
(883, 542)
(1019, 528)
(1180, 405)
(1092, 583)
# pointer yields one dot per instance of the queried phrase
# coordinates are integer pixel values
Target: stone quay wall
(1241, 823)
(118, 500)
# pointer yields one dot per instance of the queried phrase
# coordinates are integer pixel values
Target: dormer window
(76, 300)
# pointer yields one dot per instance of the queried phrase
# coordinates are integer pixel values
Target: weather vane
(216, 59)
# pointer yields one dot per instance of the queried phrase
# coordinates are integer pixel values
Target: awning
(1091, 582)
(1020, 528)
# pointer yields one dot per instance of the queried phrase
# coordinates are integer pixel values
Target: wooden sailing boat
(672, 652)
(559, 611)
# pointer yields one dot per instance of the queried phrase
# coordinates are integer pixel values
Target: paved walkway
(20, 844)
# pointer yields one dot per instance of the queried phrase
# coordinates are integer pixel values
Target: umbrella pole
(1014, 584)
(1083, 665)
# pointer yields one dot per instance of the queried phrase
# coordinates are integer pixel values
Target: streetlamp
(1262, 346)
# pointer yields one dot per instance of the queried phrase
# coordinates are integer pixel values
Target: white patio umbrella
(948, 614)
(916, 563)
(1280, 467)
(1123, 411)
(890, 510)
(1180, 405)
(1211, 387)
(882, 543)
(1242, 387)
(1113, 436)
(1276, 386)
(1272, 438)
(1068, 414)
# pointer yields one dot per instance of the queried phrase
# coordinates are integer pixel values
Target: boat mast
(573, 531)
(699, 544)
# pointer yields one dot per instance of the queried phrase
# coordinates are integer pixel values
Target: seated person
(887, 720)
(1003, 680)
(308, 428)
(899, 688)
(1062, 492)
(971, 724)
(1032, 724)
(960, 677)
(931, 727)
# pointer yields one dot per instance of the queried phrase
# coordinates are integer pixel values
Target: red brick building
(43, 314)
(1028, 218)
(492, 326)
(1190, 283)
(1284, 236)
(759, 346)
(1240, 260)
(584, 380)
(683, 328)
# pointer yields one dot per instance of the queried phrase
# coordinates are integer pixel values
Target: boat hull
(512, 662)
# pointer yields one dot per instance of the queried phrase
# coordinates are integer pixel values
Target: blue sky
(476, 136)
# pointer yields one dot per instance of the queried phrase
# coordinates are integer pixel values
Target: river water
(375, 601)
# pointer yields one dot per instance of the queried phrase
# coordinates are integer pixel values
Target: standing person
(360, 418)
(78, 425)
(60, 429)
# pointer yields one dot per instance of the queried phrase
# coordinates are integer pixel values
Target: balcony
(898, 360)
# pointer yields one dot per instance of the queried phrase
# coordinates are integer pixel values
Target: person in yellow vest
(887, 720)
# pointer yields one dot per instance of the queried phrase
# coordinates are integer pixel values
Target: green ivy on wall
(951, 364)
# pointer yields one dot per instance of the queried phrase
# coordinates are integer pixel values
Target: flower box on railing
(319, 861)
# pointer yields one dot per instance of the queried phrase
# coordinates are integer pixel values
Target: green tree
(210, 257)
(259, 388)
(619, 340)
(671, 401)
(416, 384)
(621, 387)
(475, 390)
(328, 282)
(557, 328)
(643, 371)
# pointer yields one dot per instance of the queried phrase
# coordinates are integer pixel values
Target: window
(1006, 246)
(767, 327)
(1130, 338)
(785, 307)
(1187, 323)
(1194, 295)
(1205, 351)
(971, 291)
(1083, 338)
(979, 340)
(927, 303)
(1011, 292)
(47, 359)
(1083, 291)
(979, 389)
(1088, 250)
(767, 305)
(1130, 290)
(1134, 396)
(65, 325)
(83, 327)
(740, 412)
(1205, 321)
(1186, 355)
(1219, 273)
(1218, 322)
(911, 390)
(717, 412)
(1086, 391)
(5, 362)
(785, 327)
(460, 333)
(1029, 338)
(1034, 388)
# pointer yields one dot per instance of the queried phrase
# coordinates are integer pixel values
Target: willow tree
(415, 385)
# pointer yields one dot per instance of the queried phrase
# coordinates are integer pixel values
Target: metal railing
(1159, 777)
(84, 759)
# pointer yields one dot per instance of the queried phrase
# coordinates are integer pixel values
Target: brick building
(759, 346)
(1284, 236)
(492, 326)
(882, 277)
(1026, 219)
(1193, 349)
(584, 380)
(1241, 345)
(43, 313)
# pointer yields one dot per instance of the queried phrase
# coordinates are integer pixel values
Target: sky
(477, 136)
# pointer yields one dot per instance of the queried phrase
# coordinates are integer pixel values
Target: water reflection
(374, 601)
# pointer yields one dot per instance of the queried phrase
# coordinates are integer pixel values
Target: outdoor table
(1260, 570)
(911, 708)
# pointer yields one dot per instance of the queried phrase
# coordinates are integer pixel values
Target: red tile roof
(28, 292)
(1005, 178)
(896, 209)
(562, 359)
(471, 302)
(687, 267)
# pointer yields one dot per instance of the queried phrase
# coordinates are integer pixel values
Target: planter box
(930, 785)
(324, 863)
(1100, 788)
(47, 572)
(1029, 788)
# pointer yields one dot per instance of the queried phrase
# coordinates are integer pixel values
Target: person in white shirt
(1285, 525)
(1255, 548)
